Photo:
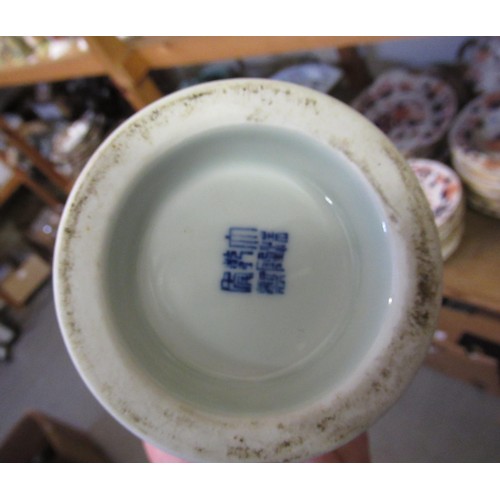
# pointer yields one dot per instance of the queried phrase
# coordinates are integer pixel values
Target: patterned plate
(441, 185)
(443, 190)
(481, 58)
(414, 110)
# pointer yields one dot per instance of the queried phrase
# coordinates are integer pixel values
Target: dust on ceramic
(247, 270)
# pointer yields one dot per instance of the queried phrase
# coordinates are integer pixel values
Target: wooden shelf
(9, 188)
(472, 274)
(74, 65)
(467, 345)
(128, 62)
(167, 52)
(164, 52)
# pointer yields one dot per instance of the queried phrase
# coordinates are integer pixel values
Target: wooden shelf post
(127, 68)
(22, 178)
(42, 164)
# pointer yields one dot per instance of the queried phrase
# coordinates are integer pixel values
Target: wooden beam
(46, 167)
(9, 188)
(355, 68)
(127, 68)
(22, 178)
(166, 52)
(78, 64)
(471, 274)
(38, 190)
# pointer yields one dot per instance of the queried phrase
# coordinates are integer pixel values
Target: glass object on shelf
(19, 50)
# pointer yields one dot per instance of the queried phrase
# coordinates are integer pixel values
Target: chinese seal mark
(254, 257)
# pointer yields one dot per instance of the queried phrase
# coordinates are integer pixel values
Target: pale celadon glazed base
(247, 270)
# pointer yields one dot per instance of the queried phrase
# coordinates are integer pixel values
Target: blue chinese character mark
(270, 261)
(251, 249)
(236, 282)
(272, 236)
(234, 259)
(271, 283)
(243, 237)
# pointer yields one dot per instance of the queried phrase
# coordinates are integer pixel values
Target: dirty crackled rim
(194, 433)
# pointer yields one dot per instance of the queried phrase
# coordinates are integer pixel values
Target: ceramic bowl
(247, 270)
(414, 110)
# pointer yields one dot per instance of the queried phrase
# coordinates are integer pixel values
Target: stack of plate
(443, 190)
(475, 149)
(74, 143)
(481, 60)
(413, 110)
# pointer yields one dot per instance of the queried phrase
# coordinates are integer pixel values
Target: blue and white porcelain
(247, 270)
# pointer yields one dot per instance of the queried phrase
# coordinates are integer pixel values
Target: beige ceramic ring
(247, 270)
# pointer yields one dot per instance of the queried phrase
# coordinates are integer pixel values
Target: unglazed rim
(112, 374)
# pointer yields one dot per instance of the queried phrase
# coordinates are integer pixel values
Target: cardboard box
(43, 229)
(18, 286)
(467, 346)
(40, 438)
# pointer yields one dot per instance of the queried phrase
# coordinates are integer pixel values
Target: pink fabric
(156, 456)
